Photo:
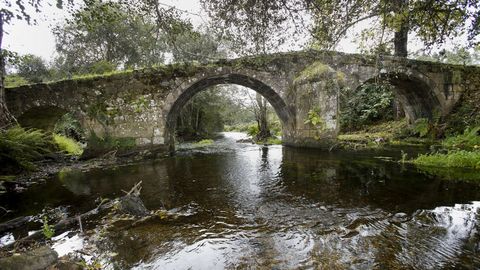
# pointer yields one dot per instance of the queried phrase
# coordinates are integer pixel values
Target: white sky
(38, 39)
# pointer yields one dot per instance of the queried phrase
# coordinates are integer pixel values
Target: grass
(15, 81)
(452, 159)
(67, 145)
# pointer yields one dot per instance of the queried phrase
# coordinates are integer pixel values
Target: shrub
(67, 145)
(369, 104)
(19, 147)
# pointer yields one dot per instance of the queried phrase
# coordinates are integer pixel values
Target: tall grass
(452, 159)
(19, 147)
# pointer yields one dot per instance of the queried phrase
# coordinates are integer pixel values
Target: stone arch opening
(413, 92)
(172, 111)
(42, 117)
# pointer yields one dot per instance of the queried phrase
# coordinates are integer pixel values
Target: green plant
(19, 147)
(252, 130)
(48, 230)
(314, 118)
(454, 158)
(470, 139)
(65, 144)
(421, 127)
(369, 104)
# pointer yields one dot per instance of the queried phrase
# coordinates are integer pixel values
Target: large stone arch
(414, 90)
(182, 96)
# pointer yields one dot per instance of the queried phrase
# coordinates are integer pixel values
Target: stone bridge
(143, 105)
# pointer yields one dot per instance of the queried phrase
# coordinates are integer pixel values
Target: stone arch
(414, 91)
(41, 117)
(179, 98)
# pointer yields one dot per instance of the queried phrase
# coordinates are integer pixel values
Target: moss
(67, 145)
(313, 72)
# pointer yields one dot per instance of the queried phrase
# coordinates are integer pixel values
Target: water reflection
(249, 206)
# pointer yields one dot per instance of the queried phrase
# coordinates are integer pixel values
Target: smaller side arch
(41, 117)
(414, 91)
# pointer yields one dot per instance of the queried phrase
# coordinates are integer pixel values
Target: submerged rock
(132, 205)
(36, 259)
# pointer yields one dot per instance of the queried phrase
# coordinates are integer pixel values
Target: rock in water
(133, 205)
(36, 259)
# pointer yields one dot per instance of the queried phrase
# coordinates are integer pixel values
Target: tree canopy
(329, 21)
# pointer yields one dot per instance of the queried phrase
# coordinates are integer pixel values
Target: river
(244, 206)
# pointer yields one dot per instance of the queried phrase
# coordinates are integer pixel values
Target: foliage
(47, 230)
(454, 158)
(69, 126)
(67, 145)
(196, 46)
(314, 118)
(369, 104)
(104, 35)
(421, 127)
(269, 23)
(33, 68)
(253, 130)
(470, 139)
(19, 147)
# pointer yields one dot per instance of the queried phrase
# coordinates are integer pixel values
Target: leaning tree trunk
(400, 38)
(5, 116)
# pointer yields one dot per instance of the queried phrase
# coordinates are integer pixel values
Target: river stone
(132, 205)
(36, 259)
(399, 217)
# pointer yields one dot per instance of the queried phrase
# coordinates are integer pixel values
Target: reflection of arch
(42, 117)
(172, 110)
(414, 91)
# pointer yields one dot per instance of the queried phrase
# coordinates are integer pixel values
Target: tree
(33, 68)
(433, 21)
(107, 33)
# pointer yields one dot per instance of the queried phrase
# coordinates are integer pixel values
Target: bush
(67, 145)
(19, 147)
(369, 104)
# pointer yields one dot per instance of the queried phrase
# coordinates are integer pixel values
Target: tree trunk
(400, 39)
(262, 118)
(6, 117)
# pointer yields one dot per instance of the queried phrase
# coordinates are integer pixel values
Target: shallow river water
(244, 206)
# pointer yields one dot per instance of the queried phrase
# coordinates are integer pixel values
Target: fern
(20, 147)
